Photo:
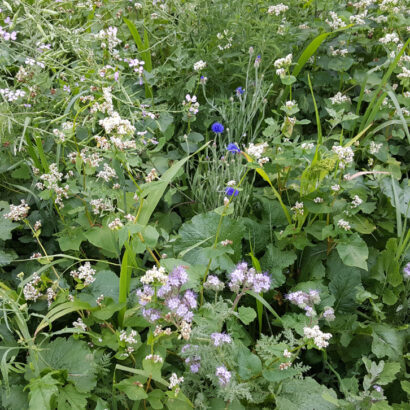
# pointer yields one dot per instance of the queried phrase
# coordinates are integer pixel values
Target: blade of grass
(266, 304)
(259, 306)
(399, 112)
(377, 100)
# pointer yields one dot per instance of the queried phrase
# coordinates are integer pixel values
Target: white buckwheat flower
(278, 9)
(341, 223)
(199, 65)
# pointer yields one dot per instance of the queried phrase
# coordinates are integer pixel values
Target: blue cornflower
(231, 191)
(239, 91)
(232, 147)
(217, 128)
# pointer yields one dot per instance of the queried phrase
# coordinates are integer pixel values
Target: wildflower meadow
(204, 204)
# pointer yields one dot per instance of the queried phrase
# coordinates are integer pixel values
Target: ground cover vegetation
(204, 204)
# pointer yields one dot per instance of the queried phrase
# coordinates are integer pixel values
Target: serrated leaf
(306, 394)
(42, 390)
(75, 357)
(70, 399)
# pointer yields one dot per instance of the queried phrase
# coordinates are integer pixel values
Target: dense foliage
(204, 204)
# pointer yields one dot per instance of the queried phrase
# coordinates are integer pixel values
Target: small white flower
(199, 65)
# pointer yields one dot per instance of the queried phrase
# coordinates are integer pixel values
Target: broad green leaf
(249, 364)
(275, 261)
(104, 238)
(131, 388)
(7, 256)
(387, 341)
(246, 314)
(343, 283)
(306, 394)
(42, 390)
(353, 251)
(75, 357)
(389, 372)
(70, 399)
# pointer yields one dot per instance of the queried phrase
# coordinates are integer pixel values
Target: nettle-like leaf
(196, 239)
(306, 394)
(75, 357)
(42, 391)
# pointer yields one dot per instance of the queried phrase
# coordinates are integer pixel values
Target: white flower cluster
(338, 51)
(199, 65)
(160, 331)
(155, 275)
(298, 208)
(85, 272)
(339, 98)
(390, 38)
(390, 5)
(282, 64)
(320, 338)
(335, 22)
(30, 291)
(114, 124)
(374, 148)
(405, 73)
(50, 181)
(359, 19)
(152, 175)
(31, 62)
(12, 95)
(357, 201)
(175, 381)
(341, 223)
(79, 324)
(191, 104)
(50, 296)
(345, 155)
(107, 174)
(279, 8)
(129, 337)
(115, 224)
(101, 205)
(307, 145)
(107, 106)
(18, 212)
(363, 4)
(256, 151)
(224, 35)
(110, 38)
(335, 188)
(318, 200)
(155, 358)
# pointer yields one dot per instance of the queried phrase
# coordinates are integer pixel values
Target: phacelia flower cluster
(219, 339)
(213, 283)
(244, 278)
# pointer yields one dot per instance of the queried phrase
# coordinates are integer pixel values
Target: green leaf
(274, 260)
(343, 283)
(42, 390)
(246, 314)
(248, 364)
(70, 399)
(6, 257)
(353, 251)
(155, 399)
(276, 375)
(387, 341)
(306, 394)
(389, 372)
(131, 388)
(75, 357)
(104, 238)
(156, 190)
(199, 233)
